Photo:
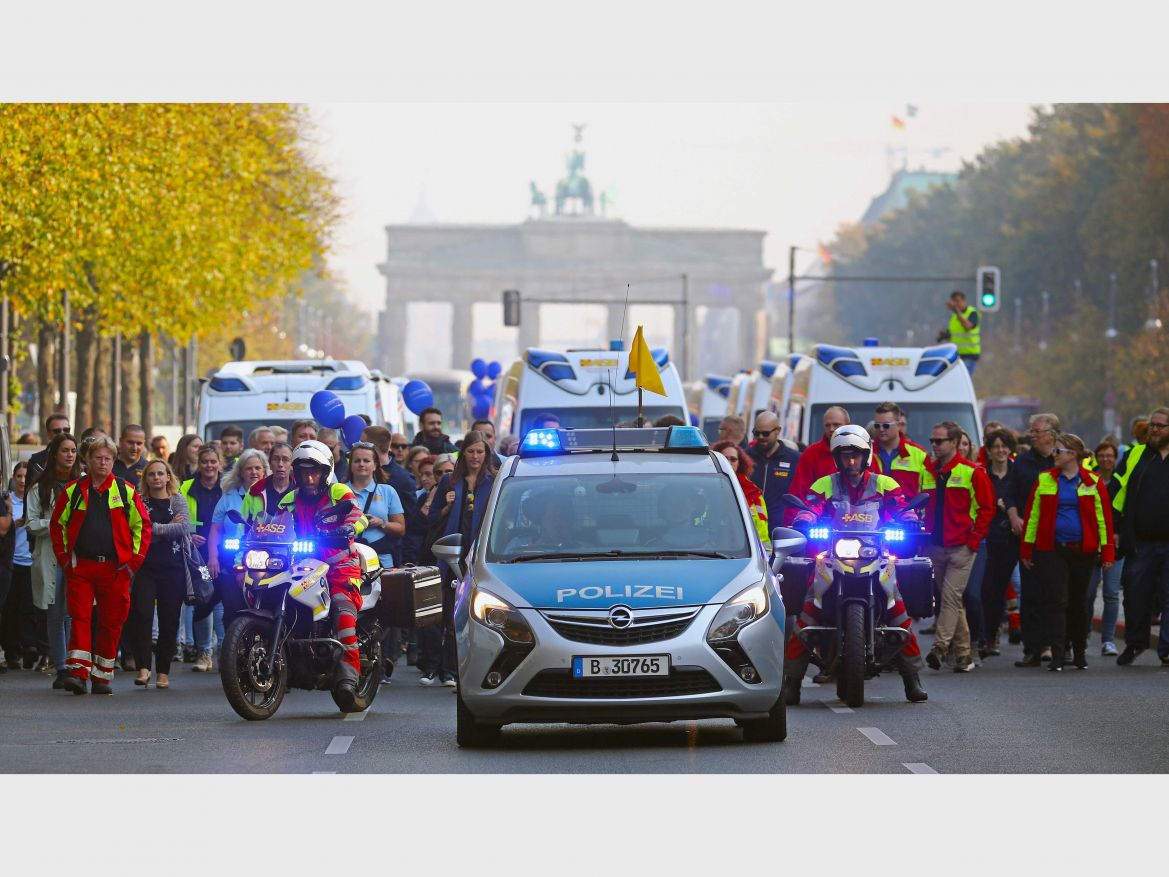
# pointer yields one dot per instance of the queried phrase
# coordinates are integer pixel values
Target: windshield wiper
(570, 555)
(689, 552)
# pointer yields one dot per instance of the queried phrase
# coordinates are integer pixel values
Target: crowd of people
(1021, 529)
(1025, 530)
(94, 534)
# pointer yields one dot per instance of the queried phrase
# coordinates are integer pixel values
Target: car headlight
(746, 606)
(500, 616)
(256, 559)
(849, 549)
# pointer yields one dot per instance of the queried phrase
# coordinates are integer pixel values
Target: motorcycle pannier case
(797, 578)
(915, 581)
(412, 596)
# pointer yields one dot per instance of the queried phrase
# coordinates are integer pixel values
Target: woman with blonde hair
(160, 579)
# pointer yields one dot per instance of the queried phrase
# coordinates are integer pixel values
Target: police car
(617, 579)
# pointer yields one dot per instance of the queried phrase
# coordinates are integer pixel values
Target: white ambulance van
(751, 390)
(277, 393)
(712, 405)
(930, 384)
(582, 389)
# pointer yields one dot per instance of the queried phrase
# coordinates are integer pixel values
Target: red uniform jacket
(969, 503)
(1095, 515)
(130, 523)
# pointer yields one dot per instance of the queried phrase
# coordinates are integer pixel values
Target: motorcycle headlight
(850, 549)
(739, 611)
(500, 616)
(256, 559)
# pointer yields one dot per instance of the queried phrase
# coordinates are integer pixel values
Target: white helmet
(855, 438)
(313, 453)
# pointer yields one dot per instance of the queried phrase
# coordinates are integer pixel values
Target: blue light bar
(894, 535)
(767, 368)
(661, 356)
(228, 385)
(231, 545)
(685, 437)
(347, 383)
(537, 358)
(872, 342)
(616, 344)
(819, 533)
(303, 546)
(541, 441)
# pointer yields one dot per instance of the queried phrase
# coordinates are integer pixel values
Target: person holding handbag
(160, 579)
(462, 498)
(63, 465)
(1068, 523)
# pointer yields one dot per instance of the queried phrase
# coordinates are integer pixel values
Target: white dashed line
(339, 746)
(878, 737)
(356, 717)
(917, 767)
(324, 772)
(837, 706)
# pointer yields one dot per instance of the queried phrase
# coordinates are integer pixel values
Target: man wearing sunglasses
(959, 517)
(899, 458)
(774, 463)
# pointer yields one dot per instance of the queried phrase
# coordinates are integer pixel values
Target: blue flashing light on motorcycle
(304, 546)
(819, 533)
(231, 545)
(894, 534)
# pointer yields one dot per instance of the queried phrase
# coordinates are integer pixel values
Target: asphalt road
(996, 719)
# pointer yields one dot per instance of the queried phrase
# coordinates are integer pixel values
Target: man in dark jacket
(431, 435)
(775, 463)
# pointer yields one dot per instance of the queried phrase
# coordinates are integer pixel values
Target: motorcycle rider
(852, 450)
(313, 490)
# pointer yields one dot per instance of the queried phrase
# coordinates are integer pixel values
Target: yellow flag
(643, 367)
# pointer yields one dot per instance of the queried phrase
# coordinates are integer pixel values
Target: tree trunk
(86, 352)
(101, 383)
(126, 370)
(146, 383)
(46, 370)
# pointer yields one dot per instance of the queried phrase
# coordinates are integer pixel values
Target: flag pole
(640, 393)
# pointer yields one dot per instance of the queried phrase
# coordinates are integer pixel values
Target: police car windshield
(631, 515)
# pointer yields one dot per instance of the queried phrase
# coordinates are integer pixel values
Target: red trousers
(346, 601)
(110, 587)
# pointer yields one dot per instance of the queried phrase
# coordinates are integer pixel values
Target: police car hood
(641, 584)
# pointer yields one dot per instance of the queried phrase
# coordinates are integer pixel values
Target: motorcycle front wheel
(850, 668)
(253, 690)
(369, 680)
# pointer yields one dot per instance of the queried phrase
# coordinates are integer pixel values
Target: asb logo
(859, 518)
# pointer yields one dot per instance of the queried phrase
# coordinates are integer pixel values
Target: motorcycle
(853, 563)
(283, 637)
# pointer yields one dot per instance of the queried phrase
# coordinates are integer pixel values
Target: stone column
(461, 333)
(748, 337)
(681, 352)
(614, 314)
(529, 328)
(392, 336)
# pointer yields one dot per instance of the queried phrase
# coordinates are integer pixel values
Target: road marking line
(356, 717)
(808, 683)
(339, 746)
(917, 767)
(878, 737)
(324, 772)
(836, 707)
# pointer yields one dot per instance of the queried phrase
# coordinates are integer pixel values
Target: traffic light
(511, 307)
(988, 282)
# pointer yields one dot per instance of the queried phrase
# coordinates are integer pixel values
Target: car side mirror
(449, 549)
(785, 541)
(917, 501)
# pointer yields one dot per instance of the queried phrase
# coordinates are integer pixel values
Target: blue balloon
(481, 407)
(352, 428)
(480, 387)
(494, 369)
(478, 368)
(327, 408)
(417, 396)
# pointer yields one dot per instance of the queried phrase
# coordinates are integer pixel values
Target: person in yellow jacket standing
(964, 330)
(101, 532)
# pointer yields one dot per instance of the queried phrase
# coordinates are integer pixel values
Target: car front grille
(682, 680)
(649, 626)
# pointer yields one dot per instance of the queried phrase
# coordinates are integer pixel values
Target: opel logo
(620, 617)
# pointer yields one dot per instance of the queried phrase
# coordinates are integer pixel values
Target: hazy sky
(796, 171)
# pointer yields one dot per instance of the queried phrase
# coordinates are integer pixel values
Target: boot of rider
(914, 693)
(793, 676)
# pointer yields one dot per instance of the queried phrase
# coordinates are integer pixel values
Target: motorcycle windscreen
(278, 528)
(862, 517)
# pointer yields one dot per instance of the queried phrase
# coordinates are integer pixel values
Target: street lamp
(1111, 332)
(1153, 323)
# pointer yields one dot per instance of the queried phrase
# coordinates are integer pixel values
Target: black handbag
(200, 587)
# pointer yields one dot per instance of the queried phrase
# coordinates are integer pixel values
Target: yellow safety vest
(1130, 462)
(969, 341)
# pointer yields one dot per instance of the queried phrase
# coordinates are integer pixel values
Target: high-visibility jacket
(344, 563)
(1124, 470)
(909, 468)
(872, 487)
(129, 521)
(1095, 515)
(969, 502)
(255, 502)
(816, 462)
(758, 507)
(969, 341)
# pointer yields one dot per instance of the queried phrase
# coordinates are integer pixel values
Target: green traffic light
(987, 299)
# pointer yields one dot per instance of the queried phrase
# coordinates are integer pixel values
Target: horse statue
(539, 200)
(575, 187)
